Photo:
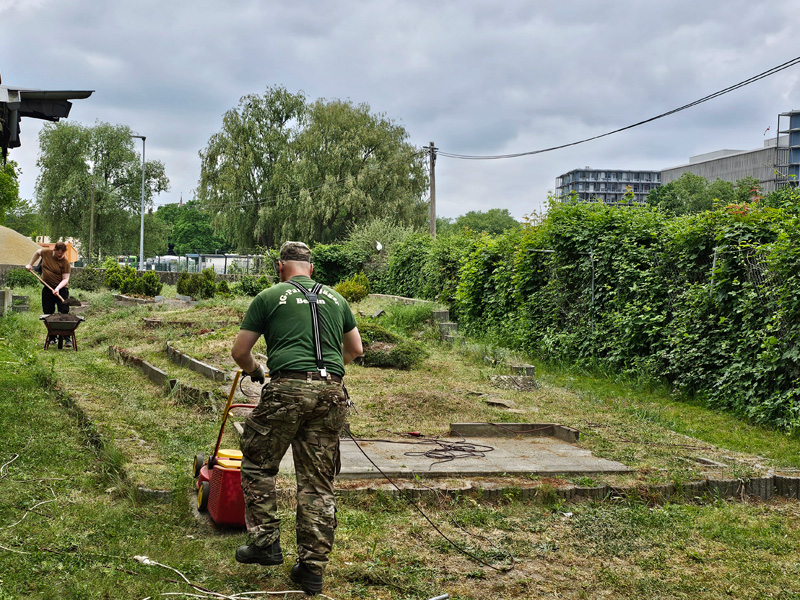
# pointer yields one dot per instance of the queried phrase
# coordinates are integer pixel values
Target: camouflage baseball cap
(295, 251)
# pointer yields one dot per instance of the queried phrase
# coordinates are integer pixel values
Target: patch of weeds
(585, 481)
(408, 318)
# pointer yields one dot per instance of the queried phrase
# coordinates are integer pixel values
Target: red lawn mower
(219, 480)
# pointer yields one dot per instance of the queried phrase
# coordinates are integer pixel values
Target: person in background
(55, 273)
(304, 406)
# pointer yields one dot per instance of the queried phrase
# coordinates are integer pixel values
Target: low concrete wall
(184, 393)
(184, 360)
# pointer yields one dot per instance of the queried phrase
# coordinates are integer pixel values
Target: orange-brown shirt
(53, 269)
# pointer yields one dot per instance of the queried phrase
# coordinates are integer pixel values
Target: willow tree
(282, 168)
(94, 173)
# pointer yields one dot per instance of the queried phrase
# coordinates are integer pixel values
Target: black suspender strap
(313, 297)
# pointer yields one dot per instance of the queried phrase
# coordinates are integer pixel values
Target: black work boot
(271, 555)
(310, 582)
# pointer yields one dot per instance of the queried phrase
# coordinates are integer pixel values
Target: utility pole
(141, 230)
(432, 153)
(91, 226)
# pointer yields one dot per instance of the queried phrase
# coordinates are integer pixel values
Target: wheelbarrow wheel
(199, 461)
(202, 496)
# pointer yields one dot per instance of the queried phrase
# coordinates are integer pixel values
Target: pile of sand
(15, 248)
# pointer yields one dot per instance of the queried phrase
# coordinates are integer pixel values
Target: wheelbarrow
(219, 479)
(61, 325)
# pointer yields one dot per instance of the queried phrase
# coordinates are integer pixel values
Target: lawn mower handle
(225, 413)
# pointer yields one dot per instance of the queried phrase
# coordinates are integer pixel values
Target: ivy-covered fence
(709, 302)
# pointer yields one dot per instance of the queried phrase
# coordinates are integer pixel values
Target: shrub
(151, 284)
(132, 285)
(335, 262)
(207, 285)
(182, 286)
(372, 332)
(382, 348)
(224, 289)
(264, 282)
(88, 278)
(116, 275)
(20, 278)
(405, 275)
(247, 286)
(402, 355)
(354, 289)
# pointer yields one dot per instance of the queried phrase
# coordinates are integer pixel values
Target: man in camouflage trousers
(303, 406)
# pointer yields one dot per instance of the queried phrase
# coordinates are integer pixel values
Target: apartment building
(609, 186)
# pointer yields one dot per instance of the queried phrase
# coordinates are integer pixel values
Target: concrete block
(598, 492)
(155, 374)
(448, 328)
(441, 316)
(528, 370)
(725, 488)
(5, 300)
(760, 487)
(662, 492)
(788, 487)
(693, 489)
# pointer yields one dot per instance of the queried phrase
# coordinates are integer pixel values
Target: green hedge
(709, 302)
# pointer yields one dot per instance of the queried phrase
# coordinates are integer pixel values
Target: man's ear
(311, 272)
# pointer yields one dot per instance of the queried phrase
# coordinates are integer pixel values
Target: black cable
(731, 88)
(427, 518)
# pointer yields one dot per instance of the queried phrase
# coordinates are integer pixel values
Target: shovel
(68, 301)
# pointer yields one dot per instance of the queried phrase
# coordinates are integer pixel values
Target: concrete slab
(525, 456)
(490, 456)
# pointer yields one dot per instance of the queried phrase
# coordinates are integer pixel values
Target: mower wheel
(202, 496)
(212, 461)
(199, 461)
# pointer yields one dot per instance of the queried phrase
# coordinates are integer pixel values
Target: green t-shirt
(283, 315)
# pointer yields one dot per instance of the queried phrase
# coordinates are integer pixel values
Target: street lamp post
(141, 230)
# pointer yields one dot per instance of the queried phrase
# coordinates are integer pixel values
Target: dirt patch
(62, 318)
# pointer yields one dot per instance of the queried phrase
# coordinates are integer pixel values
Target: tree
(9, 189)
(80, 164)
(692, 193)
(25, 218)
(281, 168)
(190, 229)
(193, 233)
(494, 221)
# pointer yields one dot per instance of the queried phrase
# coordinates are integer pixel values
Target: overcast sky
(475, 77)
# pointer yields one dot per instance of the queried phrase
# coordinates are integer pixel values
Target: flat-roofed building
(607, 185)
(774, 165)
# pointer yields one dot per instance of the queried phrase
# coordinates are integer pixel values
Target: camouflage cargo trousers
(309, 416)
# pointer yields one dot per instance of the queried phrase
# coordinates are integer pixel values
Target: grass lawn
(80, 433)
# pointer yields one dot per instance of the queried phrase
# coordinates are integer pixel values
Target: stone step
(528, 370)
(448, 328)
(441, 316)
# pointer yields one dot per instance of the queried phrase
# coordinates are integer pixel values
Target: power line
(741, 84)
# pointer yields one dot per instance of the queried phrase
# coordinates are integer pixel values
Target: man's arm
(351, 345)
(242, 350)
(36, 256)
(63, 283)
